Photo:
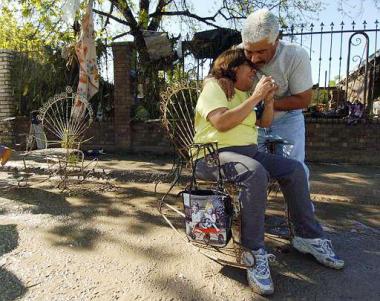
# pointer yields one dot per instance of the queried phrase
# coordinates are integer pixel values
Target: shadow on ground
(11, 288)
(354, 183)
(78, 210)
(129, 210)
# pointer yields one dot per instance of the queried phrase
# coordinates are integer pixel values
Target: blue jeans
(2, 149)
(291, 127)
(250, 169)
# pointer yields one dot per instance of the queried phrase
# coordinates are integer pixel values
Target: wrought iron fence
(345, 60)
(332, 49)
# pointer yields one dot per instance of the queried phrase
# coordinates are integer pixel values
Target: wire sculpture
(63, 126)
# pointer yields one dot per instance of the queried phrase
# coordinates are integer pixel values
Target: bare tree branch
(120, 35)
(110, 16)
(187, 13)
(136, 30)
(157, 16)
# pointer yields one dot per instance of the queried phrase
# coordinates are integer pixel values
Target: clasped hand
(265, 89)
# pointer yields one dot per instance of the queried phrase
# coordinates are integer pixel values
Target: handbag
(208, 212)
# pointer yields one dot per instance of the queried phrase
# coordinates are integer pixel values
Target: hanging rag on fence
(69, 9)
(85, 49)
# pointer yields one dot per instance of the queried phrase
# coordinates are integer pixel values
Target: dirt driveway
(104, 240)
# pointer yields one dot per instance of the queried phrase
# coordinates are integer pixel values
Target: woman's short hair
(223, 66)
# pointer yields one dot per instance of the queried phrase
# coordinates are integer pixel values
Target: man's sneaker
(321, 249)
(258, 276)
(5, 155)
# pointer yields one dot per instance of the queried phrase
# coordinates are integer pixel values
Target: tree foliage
(38, 71)
(135, 17)
(42, 23)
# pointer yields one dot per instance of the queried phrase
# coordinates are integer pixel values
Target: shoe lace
(327, 247)
(262, 266)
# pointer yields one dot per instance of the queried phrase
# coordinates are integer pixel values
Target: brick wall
(123, 96)
(102, 135)
(334, 141)
(7, 102)
(327, 140)
(150, 137)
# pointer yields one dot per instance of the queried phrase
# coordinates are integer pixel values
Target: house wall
(356, 83)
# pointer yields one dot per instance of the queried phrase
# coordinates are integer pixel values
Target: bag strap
(209, 149)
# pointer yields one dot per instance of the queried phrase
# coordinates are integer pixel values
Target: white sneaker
(321, 249)
(258, 276)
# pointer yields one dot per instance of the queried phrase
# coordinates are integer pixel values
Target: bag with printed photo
(208, 212)
(208, 215)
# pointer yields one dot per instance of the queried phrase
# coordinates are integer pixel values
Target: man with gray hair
(289, 66)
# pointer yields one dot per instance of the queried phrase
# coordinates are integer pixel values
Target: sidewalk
(105, 240)
(340, 182)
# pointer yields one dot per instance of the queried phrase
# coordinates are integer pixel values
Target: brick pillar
(123, 97)
(7, 102)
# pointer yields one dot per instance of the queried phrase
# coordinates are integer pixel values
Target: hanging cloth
(70, 8)
(85, 49)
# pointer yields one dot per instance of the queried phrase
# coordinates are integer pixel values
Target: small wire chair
(63, 121)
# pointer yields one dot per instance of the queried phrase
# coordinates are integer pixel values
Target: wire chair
(63, 121)
(178, 108)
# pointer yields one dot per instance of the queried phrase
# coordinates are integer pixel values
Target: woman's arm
(224, 119)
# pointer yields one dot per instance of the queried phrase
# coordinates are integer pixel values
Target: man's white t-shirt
(291, 70)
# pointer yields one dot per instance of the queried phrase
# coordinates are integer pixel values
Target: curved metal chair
(59, 128)
(178, 108)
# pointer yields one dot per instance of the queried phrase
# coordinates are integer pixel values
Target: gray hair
(260, 25)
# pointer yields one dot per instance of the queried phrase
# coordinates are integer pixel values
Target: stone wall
(7, 102)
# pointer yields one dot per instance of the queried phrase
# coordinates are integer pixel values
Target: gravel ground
(104, 240)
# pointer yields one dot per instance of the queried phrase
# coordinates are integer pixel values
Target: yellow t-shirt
(211, 98)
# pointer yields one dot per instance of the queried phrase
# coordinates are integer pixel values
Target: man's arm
(266, 118)
(294, 102)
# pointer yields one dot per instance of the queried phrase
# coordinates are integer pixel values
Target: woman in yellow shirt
(232, 123)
